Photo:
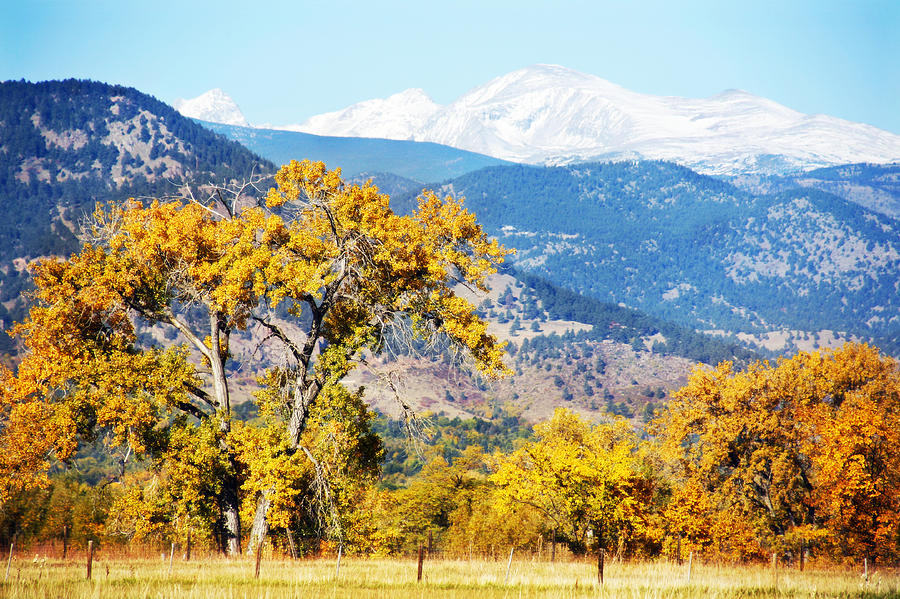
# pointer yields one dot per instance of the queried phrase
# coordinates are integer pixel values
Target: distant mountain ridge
(420, 161)
(70, 144)
(548, 114)
(214, 105)
(873, 186)
(652, 235)
(397, 117)
(696, 250)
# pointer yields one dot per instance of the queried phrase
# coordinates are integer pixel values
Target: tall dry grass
(34, 576)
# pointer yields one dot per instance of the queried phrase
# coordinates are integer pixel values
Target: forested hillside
(76, 143)
(71, 144)
(873, 186)
(565, 349)
(695, 249)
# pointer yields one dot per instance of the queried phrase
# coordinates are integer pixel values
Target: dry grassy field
(31, 576)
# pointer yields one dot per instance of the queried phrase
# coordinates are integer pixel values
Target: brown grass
(33, 575)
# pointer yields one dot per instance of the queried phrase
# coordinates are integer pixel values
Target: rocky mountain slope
(873, 186)
(564, 350)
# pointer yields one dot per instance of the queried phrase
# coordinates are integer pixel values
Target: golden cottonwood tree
(338, 263)
(803, 451)
(583, 477)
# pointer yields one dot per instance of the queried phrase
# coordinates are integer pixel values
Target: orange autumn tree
(322, 270)
(856, 449)
(803, 452)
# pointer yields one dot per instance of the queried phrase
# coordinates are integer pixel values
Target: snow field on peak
(551, 114)
(214, 106)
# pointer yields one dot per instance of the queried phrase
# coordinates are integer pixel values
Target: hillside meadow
(34, 575)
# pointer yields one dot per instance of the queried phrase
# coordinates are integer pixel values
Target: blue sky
(285, 61)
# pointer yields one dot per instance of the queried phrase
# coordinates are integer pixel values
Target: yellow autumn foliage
(344, 264)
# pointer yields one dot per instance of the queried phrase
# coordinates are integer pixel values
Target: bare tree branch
(326, 512)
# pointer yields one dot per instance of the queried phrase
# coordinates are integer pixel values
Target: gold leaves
(579, 475)
(334, 251)
(809, 444)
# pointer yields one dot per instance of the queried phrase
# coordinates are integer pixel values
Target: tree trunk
(230, 504)
(230, 498)
(258, 530)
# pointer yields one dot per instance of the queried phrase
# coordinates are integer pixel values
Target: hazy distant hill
(873, 186)
(694, 249)
(420, 161)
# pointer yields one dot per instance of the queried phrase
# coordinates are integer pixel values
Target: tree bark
(258, 530)
(230, 503)
(230, 498)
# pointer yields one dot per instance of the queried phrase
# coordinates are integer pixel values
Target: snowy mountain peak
(214, 106)
(552, 75)
(551, 114)
(395, 117)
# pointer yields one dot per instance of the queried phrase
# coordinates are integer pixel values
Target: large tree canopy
(321, 270)
(780, 456)
(585, 478)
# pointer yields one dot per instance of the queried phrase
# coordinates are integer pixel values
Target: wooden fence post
(259, 550)
(553, 547)
(90, 558)
(600, 559)
(775, 569)
(421, 559)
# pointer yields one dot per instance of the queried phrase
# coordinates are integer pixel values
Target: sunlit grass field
(32, 576)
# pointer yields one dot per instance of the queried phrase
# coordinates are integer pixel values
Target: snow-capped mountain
(214, 106)
(397, 117)
(551, 114)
